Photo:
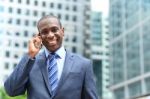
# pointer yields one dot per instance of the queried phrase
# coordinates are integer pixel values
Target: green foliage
(3, 95)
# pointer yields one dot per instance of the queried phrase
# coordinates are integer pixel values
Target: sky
(100, 5)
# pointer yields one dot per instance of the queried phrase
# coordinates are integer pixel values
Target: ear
(63, 30)
(39, 34)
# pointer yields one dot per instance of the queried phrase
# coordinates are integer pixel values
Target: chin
(53, 49)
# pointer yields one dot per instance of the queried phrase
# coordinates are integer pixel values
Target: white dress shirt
(60, 61)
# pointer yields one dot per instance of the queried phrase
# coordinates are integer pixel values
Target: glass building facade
(96, 27)
(130, 50)
(97, 66)
(100, 53)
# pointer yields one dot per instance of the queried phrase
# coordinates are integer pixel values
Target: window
(43, 13)
(16, 44)
(1, 32)
(74, 8)
(67, 7)
(52, 14)
(15, 56)
(6, 65)
(17, 33)
(27, 12)
(25, 33)
(147, 83)
(35, 3)
(34, 23)
(15, 64)
(43, 4)
(1, 8)
(26, 22)
(19, 1)
(10, 21)
(7, 54)
(19, 11)
(135, 89)
(9, 43)
(59, 16)
(107, 54)
(59, 6)
(74, 39)
(66, 39)
(75, 28)
(8, 33)
(10, 10)
(74, 49)
(74, 18)
(67, 17)
(117, 54)
(25, 44)
(119, 93)
(11, 0)
(35, 13)
(18, 21)
(133, 56)
(51, 5)
(28, 2)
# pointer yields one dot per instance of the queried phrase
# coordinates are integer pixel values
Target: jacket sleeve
(89, 86)
(16, 83)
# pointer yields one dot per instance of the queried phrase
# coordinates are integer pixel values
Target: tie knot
(53, 55)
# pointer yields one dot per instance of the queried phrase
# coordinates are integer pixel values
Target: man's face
(51, 33)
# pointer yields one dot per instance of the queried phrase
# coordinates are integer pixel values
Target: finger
(34, 35)
(37, 43)
(38, 37)
(38, 40)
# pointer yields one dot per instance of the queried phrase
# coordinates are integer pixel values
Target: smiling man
(53, 73)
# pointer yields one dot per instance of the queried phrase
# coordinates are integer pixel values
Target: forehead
(48, 22)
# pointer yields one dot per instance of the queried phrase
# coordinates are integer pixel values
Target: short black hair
(49, 16)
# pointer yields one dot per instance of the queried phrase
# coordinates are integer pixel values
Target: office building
(129, 28)
(100, 53)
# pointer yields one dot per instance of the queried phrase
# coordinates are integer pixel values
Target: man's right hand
(35, 45)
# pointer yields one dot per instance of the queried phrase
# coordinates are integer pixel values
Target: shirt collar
(60, 52)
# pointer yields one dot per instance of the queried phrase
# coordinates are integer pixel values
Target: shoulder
(80, 58)
(81, 62)
(41, 54)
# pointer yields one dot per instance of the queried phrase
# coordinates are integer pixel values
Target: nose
(50, 34)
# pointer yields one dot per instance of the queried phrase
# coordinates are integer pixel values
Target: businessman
(52, 73)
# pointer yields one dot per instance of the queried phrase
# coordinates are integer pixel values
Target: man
(53, 73)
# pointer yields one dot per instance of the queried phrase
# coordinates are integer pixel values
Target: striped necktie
(53, 71)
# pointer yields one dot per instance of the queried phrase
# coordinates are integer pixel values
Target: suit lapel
(43, 67)
(66, 69)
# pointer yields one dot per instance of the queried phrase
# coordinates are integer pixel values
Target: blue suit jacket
(76, 81)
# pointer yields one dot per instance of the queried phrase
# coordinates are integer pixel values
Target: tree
(3, 95)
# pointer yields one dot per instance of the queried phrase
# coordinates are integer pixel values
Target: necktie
(52, 72)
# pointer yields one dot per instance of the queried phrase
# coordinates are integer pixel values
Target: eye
(54, 30)
(44, 32)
